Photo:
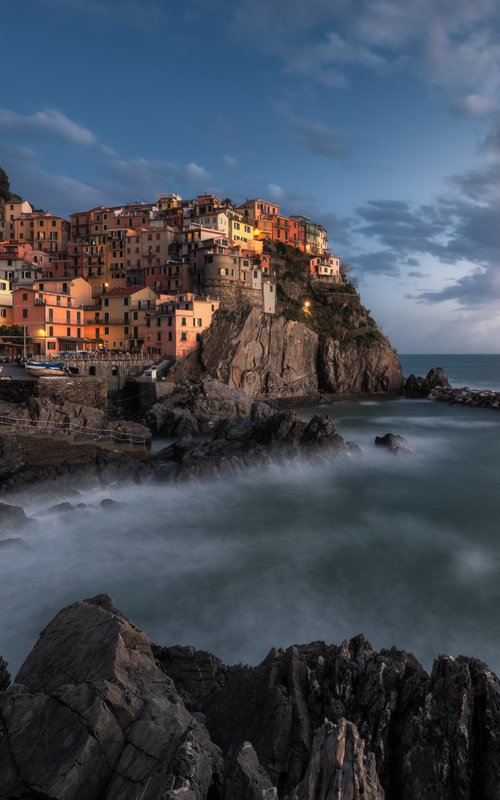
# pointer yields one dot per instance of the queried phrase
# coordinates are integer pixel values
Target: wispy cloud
(315, 136)
(49, 121)
(452, 43)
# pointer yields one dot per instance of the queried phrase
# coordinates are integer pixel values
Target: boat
(46, 368)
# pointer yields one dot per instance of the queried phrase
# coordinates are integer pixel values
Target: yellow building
(43, 231)
(117, 316)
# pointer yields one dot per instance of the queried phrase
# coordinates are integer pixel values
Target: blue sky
(378, 118)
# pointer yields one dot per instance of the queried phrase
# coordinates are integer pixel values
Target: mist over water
(403, 549)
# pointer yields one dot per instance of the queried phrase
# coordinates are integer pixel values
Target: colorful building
(53, 313)
(325, 268)
(174, 329)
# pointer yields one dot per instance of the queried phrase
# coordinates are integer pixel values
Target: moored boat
(46, 367)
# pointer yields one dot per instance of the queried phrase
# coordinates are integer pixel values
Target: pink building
(175, 328)
(325, 268)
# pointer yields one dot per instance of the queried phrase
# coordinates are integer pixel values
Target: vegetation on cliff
(330, 310)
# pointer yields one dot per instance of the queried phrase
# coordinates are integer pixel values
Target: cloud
(275, 192)
(453, 44)
(315, 137)
(382, 262)
(48, 121)
(415, 274)
(473, 105)
(146, 177)
(230, 162)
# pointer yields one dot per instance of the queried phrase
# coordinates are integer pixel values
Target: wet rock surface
(97, 712)
(474, 398)
(245, 442)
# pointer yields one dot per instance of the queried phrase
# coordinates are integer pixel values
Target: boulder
(394, 442)
(95, 712)
(91, 715)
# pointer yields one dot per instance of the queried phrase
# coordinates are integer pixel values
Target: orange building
(52, 311)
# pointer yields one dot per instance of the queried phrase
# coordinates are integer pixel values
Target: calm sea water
(405, 550)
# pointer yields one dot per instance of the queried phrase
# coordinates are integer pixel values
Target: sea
(405, 550)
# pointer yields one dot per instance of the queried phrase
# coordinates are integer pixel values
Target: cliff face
(275, 356)
(97, 712)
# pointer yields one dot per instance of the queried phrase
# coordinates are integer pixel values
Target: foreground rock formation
(275, 356)
(96, 712)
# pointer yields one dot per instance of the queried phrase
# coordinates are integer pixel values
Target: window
(51, 345)
(183, 336)
(158, 336)
(68, 316)
(106, 301)
(198, 337)
(170, 336)
(68, 331)
(196, 322)
(25, 296)
(25, 313)
(106, 331)
(183, 321)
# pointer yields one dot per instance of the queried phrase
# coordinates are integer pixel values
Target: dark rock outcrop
(394, 442)
(416, 387)
(4, 675)
(474, 398)
(272, 356)
(194, 409)
(96, 712)
(91, 715)
(246, 442)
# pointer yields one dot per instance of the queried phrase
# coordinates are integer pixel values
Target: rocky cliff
(273, 356)
(96, 712)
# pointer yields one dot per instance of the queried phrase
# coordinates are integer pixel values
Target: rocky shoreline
(96, 711)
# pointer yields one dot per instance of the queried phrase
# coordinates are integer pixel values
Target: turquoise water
(403, 549)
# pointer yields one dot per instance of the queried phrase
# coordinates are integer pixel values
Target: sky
(378, 118)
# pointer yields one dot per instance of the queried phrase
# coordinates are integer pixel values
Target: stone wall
(84, 391)
(235, 295)
(114, 371)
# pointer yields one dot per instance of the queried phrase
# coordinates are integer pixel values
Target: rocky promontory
(277, 357)
(96, 711)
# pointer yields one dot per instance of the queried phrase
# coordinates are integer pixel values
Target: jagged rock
(200, 408)
(245, 441)
(416, 387)
(91, 715)
(4, 674)
(338, 767)
(394, 442)
(245, 779)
